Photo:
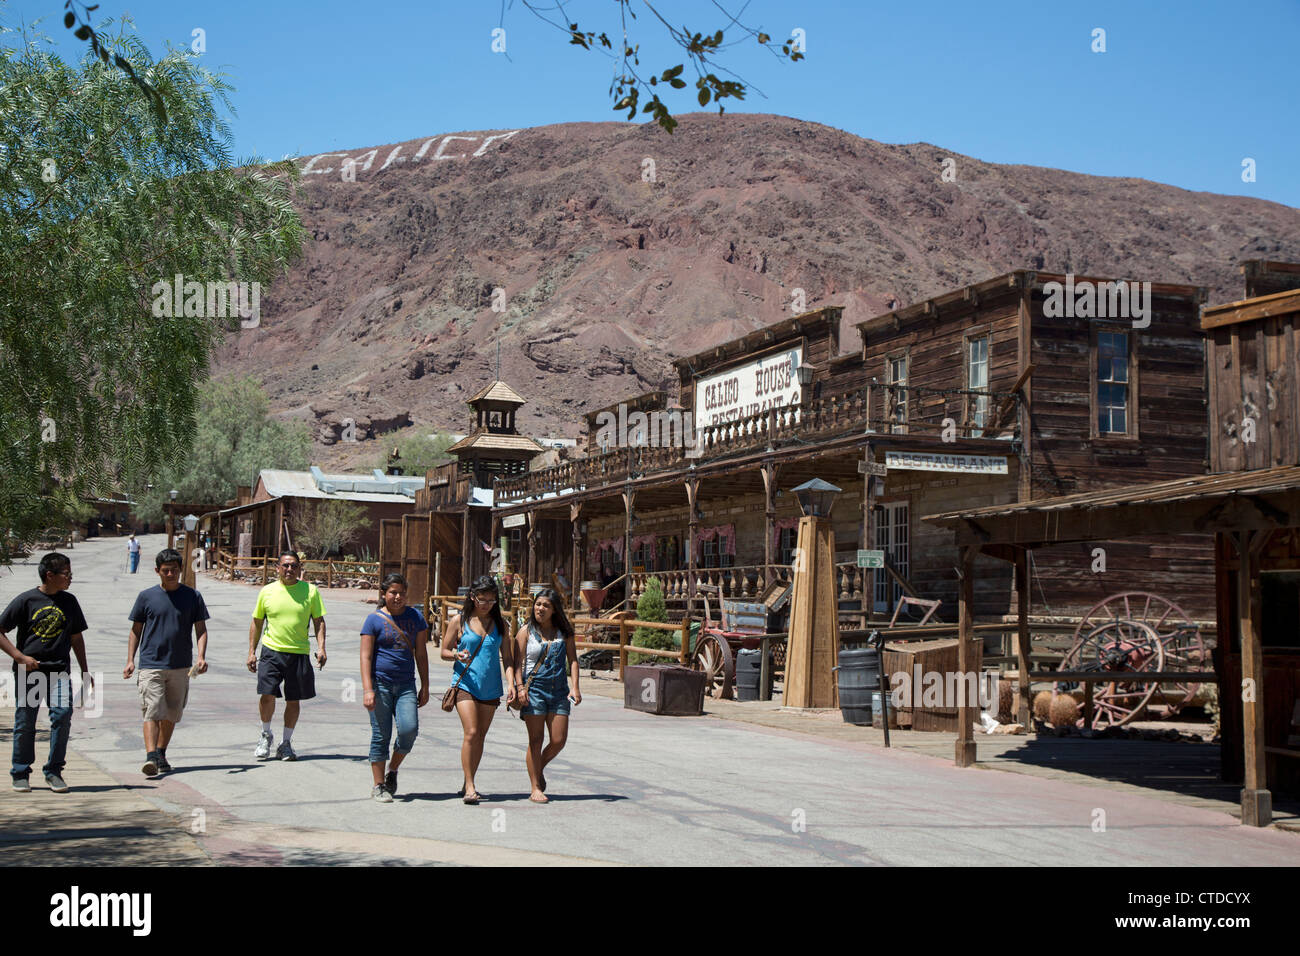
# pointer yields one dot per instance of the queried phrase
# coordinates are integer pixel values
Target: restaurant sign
(923, 461)
(744, 390)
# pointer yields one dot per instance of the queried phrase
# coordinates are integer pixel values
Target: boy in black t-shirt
(49, 623)
(162, 619)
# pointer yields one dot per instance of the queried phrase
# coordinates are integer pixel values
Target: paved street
(629, 789)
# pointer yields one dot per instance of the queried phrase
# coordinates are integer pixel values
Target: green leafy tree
(650, 607)
(325, 528)
(418, 451)
(100, 200)
(234, 439)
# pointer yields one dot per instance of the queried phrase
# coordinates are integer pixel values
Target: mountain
(620, 247)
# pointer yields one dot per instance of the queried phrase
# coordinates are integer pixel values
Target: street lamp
(816, 498)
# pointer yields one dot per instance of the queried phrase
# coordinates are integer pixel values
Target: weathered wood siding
(1253, 371)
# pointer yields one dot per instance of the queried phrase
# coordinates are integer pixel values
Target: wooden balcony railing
(896, 409)
(743, 582)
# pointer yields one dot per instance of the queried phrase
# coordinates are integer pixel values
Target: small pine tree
(650, 607)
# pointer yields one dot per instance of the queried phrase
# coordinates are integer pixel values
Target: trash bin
(859, 678)
(748, 670)
(666, 689)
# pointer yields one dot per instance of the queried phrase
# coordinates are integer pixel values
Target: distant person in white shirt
(133, 553)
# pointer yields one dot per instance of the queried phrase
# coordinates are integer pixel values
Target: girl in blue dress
(479, 641)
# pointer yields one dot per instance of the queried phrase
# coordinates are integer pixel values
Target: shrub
(650, 607)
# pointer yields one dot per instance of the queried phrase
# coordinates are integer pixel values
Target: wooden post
(629, 501)
(575, 512)
(764, 668)
(329, 572)
(622, 647)
(266, 568)
(532, 576)
(769, 519)
(965, 750)
(684, 650)
(1022, 642)
(692, 493)
(436, 586)
(866, 536)
(466, 564)
(1256, 800)
(187, 553)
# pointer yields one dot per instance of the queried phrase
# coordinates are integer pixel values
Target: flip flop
(471, 799)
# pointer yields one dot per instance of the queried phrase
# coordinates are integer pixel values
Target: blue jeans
(393, 701)
(135, 561)
(30, 689)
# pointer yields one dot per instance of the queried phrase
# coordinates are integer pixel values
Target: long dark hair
(484, 583)
(562, 625)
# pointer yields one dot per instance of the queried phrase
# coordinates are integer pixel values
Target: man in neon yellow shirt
(287, 607)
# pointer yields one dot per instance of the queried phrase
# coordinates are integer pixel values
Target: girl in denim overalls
(546, 649)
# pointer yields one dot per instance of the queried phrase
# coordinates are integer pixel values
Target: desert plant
(650, 607)
(1043, 705)
(1006, 702)
(1063, 711)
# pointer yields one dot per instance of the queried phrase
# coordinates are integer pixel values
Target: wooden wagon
(741, 625)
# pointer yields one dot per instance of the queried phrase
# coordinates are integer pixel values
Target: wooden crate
(939, 657)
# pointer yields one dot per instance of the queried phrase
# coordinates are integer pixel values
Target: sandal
(471, 799)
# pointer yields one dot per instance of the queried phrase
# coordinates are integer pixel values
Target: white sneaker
(285, 752)
(263, 751)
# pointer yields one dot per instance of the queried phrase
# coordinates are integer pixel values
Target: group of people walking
(531, 669)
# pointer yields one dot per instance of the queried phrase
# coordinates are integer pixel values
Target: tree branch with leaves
(630, 87)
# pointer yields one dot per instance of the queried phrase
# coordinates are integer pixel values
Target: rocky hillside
(619, 247)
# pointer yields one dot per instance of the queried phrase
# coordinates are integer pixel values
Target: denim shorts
(547, 697)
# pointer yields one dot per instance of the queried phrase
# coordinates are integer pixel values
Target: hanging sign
(744, 390)
(966, 464)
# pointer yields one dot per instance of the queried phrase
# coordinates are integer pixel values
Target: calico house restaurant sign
(744, 390)
(966, 464)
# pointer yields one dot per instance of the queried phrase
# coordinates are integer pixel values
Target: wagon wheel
(1180, 639)
(1116, 646)
(713, 657)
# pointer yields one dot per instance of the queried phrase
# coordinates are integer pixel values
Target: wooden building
(1251, 504)
(990, 394)
(281, 496)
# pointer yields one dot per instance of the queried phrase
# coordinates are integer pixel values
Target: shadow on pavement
(364, 758)
(1174, 766)
(556, 797)
(228, 767)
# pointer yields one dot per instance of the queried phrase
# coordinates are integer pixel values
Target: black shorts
(293, 670)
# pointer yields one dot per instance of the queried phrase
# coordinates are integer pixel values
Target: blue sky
(1184, 92)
